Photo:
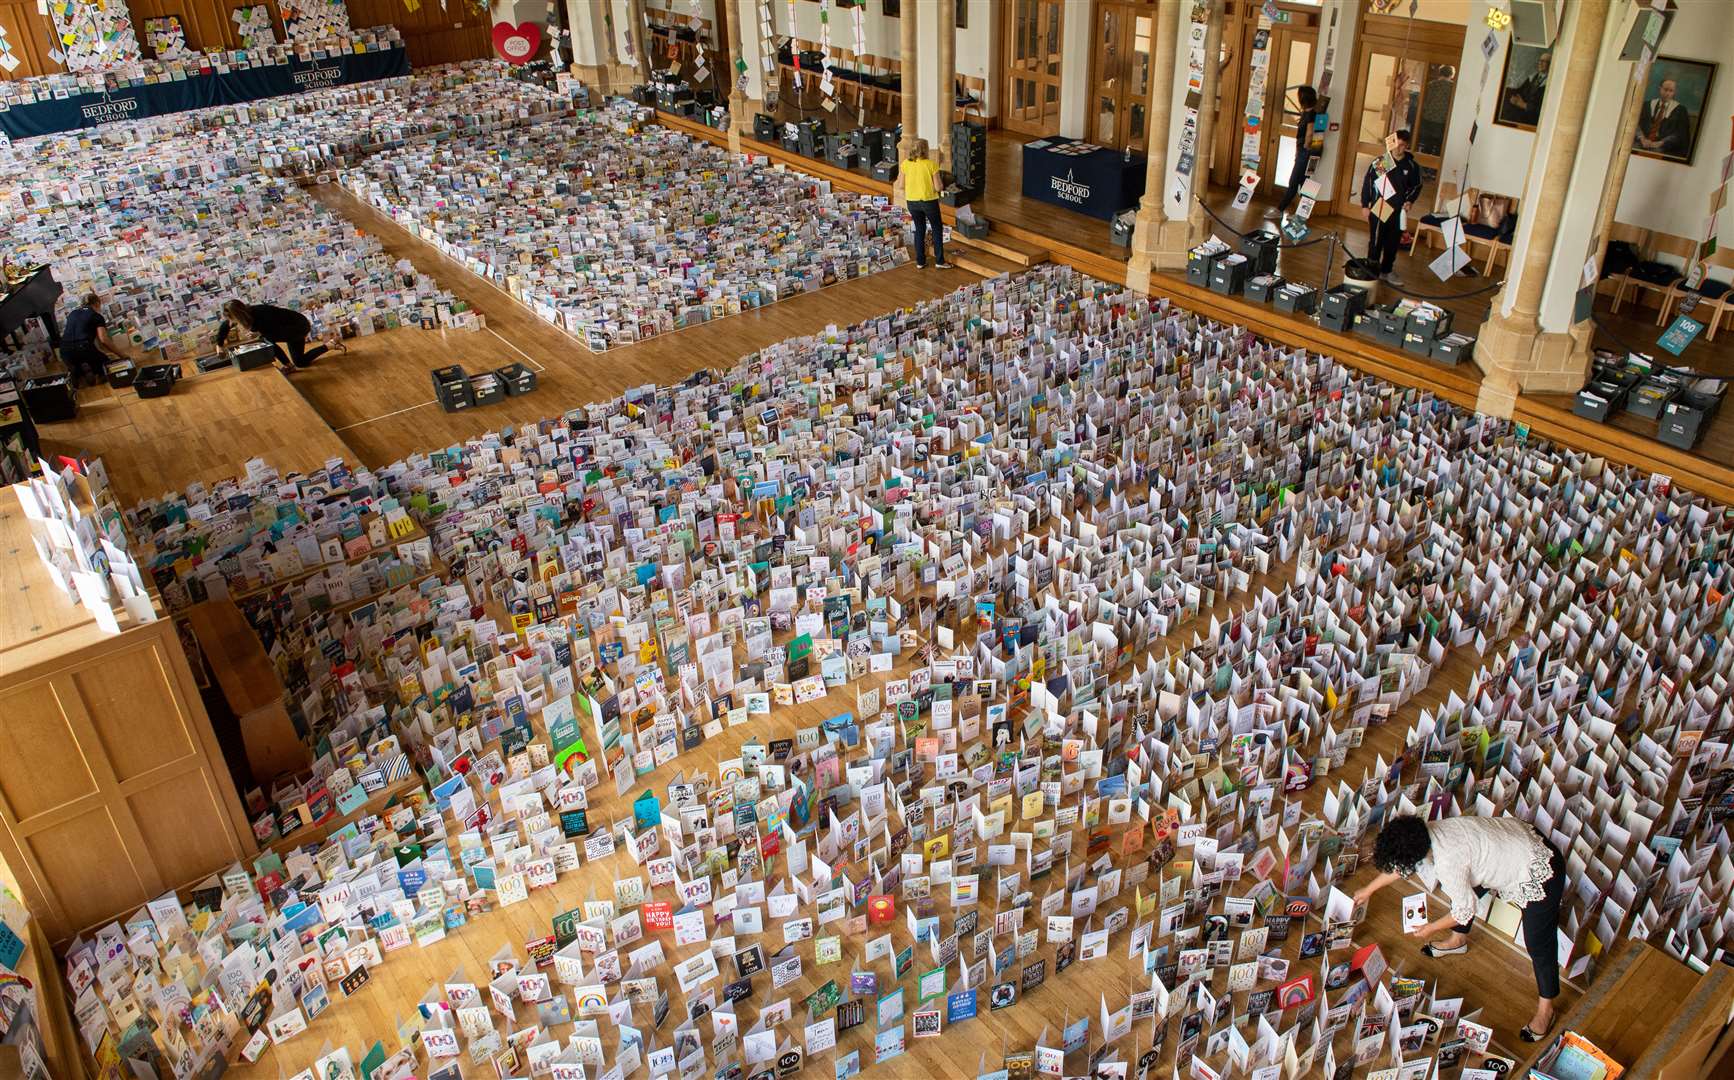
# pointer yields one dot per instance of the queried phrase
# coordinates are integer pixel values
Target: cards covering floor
(616, 231)
(168, 219)
(820, 706)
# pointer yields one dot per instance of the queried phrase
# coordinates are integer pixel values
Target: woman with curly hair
(1464, 857)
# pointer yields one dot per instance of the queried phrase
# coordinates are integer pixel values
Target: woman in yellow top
(921, 191)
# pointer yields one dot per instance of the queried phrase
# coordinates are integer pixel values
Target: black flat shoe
(1529, 1036)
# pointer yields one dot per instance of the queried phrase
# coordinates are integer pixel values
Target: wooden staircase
(994, 255)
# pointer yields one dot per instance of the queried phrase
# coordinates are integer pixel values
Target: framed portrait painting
(1523, 86)
(1672, 113)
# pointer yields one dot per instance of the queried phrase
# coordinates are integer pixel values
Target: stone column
(1583, 333)
(1198, 227)
(1157, 243)
(947, 78)
(738, 124)
(640, 40)
(906, 54)
(1507, 342)
(595, 55)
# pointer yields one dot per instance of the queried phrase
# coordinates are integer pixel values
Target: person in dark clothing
(1386, 235)
(85, 344)
(1303, 155)
(283, 328)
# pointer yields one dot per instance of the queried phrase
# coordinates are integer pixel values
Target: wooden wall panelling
(431, 34)
(31, 36)
(112, 787)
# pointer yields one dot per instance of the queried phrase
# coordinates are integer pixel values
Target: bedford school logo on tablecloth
(1069, 189)
(517, 44)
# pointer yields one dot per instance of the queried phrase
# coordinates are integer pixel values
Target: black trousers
(299, 354)
(926, 215)
(85, 359)
(1296, 177)
(1386, 238)
(1541, 929)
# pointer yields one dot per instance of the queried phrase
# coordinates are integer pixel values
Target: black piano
(31, 298)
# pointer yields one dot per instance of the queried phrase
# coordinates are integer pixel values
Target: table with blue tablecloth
(128, 101)
(1079, 176)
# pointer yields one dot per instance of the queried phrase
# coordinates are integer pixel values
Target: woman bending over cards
(283, 328)
(1464, 857)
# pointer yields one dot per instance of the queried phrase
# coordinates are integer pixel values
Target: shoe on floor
(942, 266)
(1431, 950)
(1394, 280)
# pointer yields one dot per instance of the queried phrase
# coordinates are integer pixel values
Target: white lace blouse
(1503, 854)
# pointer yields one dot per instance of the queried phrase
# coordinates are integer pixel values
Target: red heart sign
(517, 44)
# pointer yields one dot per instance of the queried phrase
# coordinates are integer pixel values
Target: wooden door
(1290, 51)
(1403, 78)
(1120, 73)
(1031, 89)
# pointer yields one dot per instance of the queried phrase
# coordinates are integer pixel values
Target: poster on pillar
(520, 30)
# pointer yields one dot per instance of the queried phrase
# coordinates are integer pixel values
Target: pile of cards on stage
(616, 231)
(168, 221)
(896, 671)
(123, 71)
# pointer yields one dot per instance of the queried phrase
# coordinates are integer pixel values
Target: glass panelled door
(1291, 66)
(1121, 73)
(1032, 66)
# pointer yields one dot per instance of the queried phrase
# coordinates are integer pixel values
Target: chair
(1661, 271)
(1444, 207)
(1614, 268)
(1713, 293)
(1493, 221)
(975, 91)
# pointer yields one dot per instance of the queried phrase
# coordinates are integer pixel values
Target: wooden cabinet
(112, 787)
(249, 684)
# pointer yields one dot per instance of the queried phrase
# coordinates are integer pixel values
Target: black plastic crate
(121, 373)
(1297, 299)
(1263, 287)
(51, 398)
(1228, 274)
(156, 380)
(1599, 399)
(214, 362)
(487, 388)
(452, 388)
(1652, 396)
(258, 354)
(1260, 248)
(1198, 264)
(765, 127)
(1453, 349)
(518, 379)
(1428, 324)
(1684, 418)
